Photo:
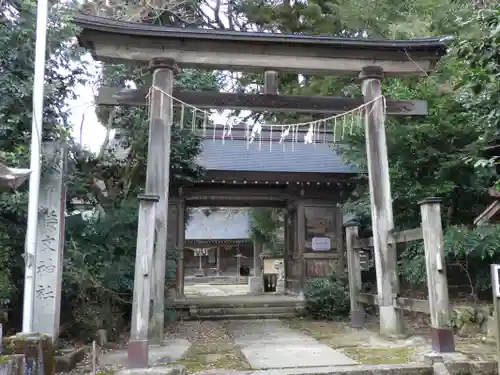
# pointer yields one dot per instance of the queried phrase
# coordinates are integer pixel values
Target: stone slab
(254, 284)
(158, 354)
(268, 344)
(160, 370)
(403, 369)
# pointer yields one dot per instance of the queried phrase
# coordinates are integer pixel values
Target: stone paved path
(268, 344)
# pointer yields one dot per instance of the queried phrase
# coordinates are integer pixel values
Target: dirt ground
(211, 348)
(367, 347)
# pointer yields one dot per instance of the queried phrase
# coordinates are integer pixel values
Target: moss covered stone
(380, 356)
(39, 348)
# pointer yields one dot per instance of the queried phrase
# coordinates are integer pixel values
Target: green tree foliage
(428, 156)
(266, 228)
(109, 182)
(17, 36)
(476, 96)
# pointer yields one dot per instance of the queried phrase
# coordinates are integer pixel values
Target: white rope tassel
(182, 115)
(350, 119)
(334, 130)
(205, 121)
(308, 138)
(193, 121)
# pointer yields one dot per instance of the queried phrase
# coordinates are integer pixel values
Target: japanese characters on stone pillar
(50, 241)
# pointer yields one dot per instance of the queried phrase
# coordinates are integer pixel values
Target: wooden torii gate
(167, 49)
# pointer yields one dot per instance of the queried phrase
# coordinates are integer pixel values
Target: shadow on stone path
(268, 344)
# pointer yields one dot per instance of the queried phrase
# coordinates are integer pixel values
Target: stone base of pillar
(357, 319)
(254, 284)
(280, 286)
(391, 322)
(443, 340)
(138, 354)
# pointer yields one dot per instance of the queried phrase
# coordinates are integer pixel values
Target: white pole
(35, 164)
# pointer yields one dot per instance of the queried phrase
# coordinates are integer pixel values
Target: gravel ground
(212, 348)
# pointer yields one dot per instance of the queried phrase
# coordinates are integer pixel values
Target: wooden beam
(354, 274)
(407, 235)
(437, 283)
(116, 41)
(400, 303)
(138, 348)
(381, 201)
(112, 96)
(157, 183)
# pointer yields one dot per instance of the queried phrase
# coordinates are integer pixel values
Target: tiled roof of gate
(225, 224)
(233, 155)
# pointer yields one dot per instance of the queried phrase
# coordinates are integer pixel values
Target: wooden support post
(271, 82)
(354, 274)
(339, 239)
(218, 260)
(300, 245)
(257, 260)
(495, 286)
(437, 284)
(50, 242)
(138, 349)
(381, 202)
(181, 212)
(157, 183)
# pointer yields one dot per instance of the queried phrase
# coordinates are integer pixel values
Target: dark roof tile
(233, 155)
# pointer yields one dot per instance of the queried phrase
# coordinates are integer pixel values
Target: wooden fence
(437, 305)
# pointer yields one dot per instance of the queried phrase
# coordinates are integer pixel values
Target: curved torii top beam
(113, 41)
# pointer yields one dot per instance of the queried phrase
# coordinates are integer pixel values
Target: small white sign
(495, 279)
(321, 243)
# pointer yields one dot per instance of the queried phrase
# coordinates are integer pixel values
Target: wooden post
(300, 245)
(50, 242)
(257, 260)
(354, 274)
(437, 284)
(238, 263)
(339, 239)
(218, 260)
(157, 183)
(271, 82)
(495, 286)
(138, 351)
(381, 202)
(181, 212)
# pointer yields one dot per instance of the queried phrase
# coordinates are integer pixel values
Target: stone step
(242, 316)
(248, 310)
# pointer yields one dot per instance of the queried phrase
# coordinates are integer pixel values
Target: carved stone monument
(50, 242)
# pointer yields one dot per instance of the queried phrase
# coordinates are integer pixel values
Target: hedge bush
(327, 298)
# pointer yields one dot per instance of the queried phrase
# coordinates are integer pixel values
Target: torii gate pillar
(381, 202)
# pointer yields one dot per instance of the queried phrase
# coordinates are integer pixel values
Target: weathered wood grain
(435, 262)
(112, 96)
(381, 201)
(403, 236)
(354, 275)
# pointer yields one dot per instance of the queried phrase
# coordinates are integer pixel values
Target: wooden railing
(402, 303)
(407, 235)
(432, 235)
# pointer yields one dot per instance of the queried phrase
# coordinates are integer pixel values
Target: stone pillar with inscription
(50, 242)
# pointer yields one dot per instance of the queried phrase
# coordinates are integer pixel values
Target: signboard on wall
(321, 244)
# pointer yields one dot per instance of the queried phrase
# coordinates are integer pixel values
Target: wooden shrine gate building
(310, 182)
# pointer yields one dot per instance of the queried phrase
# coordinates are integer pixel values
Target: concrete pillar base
(138, 354)
(254, 284)
(443, 340)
